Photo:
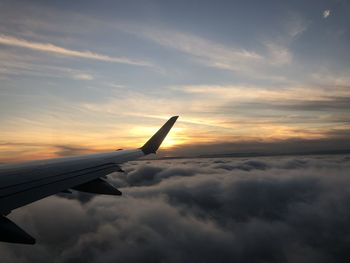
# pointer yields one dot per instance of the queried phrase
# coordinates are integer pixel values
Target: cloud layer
(291, 209)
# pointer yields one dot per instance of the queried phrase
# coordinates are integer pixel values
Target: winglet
(152, 145)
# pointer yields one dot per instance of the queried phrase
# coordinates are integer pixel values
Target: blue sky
(99, 75)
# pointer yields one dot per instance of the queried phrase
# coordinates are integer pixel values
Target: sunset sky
(87, 76)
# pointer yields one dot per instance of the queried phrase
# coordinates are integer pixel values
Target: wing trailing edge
(98, 186)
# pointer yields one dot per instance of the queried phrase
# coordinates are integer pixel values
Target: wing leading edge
(21, 184)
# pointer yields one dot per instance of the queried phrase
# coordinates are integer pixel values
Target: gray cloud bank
(337, 141)
(266, 209)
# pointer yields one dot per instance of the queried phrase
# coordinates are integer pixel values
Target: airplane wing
(21, 184)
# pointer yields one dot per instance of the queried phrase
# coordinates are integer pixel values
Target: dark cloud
(337, 141)
(266, 209)
(331, 104)
(150, 174)
(20, 150)
(66, 150)
(328, 104)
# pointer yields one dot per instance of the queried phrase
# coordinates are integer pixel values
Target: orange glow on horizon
(32, 143)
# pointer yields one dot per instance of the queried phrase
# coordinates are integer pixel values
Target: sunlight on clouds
(83, 76)
(42, 144)
(118, 122)
(236, 92)
(66, 90)
(275, 132)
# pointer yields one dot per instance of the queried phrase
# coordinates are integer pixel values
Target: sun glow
(175, 136)
(169, 142)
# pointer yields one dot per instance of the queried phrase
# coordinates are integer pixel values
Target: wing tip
(152, 145)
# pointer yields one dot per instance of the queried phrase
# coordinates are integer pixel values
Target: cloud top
(289, 209)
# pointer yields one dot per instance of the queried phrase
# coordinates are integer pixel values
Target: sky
(88, 76)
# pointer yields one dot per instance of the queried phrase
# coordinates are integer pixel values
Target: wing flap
(98, 186)
(40, 189)
(12, 233)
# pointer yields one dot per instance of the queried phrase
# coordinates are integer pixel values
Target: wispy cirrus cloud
(254, 93)
(12, 64)
(210, 53)
(256, 63)
(54, 49)
(270, 51)
(83, 76)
